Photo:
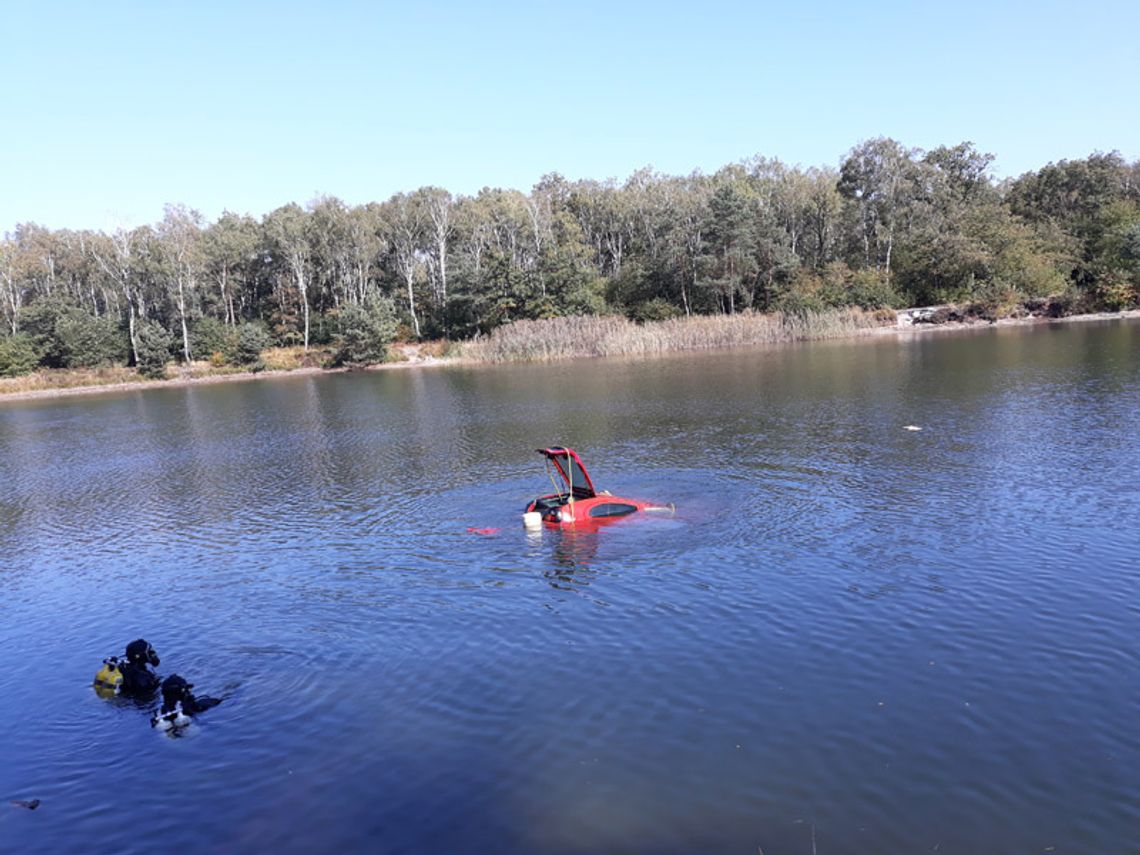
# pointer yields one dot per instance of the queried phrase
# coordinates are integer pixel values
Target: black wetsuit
(191, 704)
(138, 679)
(176, 695)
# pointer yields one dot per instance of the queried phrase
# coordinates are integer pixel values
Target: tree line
(893, 226)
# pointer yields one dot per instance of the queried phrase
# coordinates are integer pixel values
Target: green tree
(180, 242)
(288, 235)
(13, 291)
(231, 249)
(211, 336)
(66, 336)
(964, 170)
(1117, 245)
(117, 255)
(252, 339)
(1077, 198)
(685, 237)
(405, 226)
(86, 341)
(154, 343)
(729, 256)
(876, 180)
(439, 228)
(18, 355)
(366, 330)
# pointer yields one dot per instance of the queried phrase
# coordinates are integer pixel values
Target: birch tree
(11, 289)
(180, 233)
(287, 231)
(439, 205)
(115, 254)
(874, 177)
(405, 227)
(230, 246)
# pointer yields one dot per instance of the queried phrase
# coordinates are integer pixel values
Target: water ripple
(876, 639)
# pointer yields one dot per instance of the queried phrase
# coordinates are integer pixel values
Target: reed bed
(611, 335)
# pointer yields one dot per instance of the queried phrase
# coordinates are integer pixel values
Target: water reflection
(573, 554)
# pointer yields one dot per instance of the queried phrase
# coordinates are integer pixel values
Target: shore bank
(410, 356)
(923, 329)
(126, 380)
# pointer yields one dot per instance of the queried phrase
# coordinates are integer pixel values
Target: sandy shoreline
(175, 381)
(434, 362)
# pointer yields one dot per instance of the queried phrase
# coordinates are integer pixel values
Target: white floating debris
(911, 427)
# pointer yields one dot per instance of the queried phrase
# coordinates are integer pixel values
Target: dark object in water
(179, 703)
(30, 804)
(140, 651)
(138, 680)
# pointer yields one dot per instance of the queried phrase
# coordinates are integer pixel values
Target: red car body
(577, 502)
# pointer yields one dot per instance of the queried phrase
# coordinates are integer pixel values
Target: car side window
(612, 509)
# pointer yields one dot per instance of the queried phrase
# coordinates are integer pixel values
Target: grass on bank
(274, 359)
(72, 378)
(563, 338)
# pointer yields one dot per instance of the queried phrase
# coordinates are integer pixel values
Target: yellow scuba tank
(108, 678)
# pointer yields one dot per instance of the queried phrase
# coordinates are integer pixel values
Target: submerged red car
(576, 500)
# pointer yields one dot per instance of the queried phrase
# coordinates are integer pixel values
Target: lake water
(850, 638)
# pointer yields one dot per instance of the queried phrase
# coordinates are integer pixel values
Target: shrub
(799, 303)
(18, 355)
(67, 336)
(322, 328)
(38, 323)
(810, 290)
(657, 309)
(86, 341)
(252, 338)
(366, 330)
(152, 342)
(1114, 293)
(870, 290)
(836, 286)
(209, 335)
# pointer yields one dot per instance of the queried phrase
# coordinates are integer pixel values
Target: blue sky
(110, 110)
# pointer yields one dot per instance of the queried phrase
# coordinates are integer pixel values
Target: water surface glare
(850, 636)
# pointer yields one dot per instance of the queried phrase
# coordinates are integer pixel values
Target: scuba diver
(131, 675)
(178, 704)
(138, 679)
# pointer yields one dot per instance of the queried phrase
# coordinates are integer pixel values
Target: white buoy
(532, 520)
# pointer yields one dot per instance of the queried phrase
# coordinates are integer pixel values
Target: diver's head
(175, 689)
(139, 652)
